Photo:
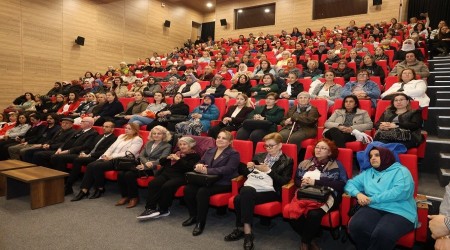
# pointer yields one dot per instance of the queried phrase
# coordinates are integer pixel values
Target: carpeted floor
(98, 224)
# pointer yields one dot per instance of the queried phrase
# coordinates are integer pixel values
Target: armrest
(215, 123)
(287, 193)
(422, 213)
(345, 208)
(236, 184)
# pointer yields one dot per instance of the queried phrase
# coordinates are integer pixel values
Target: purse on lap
(250, 124)
(126, 163)
(202, 180)
(317, 193)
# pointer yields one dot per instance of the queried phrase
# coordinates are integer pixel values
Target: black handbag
(203, 180)
(317, 193)
(126, 163)
(395, 134)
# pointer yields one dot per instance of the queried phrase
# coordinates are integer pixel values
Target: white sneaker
(161, 214)
(147, 214)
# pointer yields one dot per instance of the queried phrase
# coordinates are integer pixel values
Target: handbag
(317, 193)
(177, 118)
(202, 180)
(396, 134)
(126, 163)
(251, 124)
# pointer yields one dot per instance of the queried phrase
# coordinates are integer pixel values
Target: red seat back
(382, 105)
(410, 162)
(245, 149)
(192, 103)
(345, 157)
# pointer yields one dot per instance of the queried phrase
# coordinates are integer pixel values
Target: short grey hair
(189, 140)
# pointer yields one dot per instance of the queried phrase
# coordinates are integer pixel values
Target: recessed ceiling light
(267, 10)
(240, 11)
(209, 5)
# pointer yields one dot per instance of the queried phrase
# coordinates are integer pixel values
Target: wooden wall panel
(291, 13)
(11, 53)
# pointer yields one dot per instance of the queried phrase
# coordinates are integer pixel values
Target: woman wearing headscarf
(408, 45)
(200, 118)
(388, 209)
(191, 88)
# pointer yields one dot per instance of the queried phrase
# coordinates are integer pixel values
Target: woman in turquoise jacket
(200, 118)
(388, 210)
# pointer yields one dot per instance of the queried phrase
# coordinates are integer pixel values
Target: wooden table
(45, 185)
(10, 165)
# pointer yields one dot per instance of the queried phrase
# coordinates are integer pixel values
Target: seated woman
(108, 110)
(408, 45)
(22, 103)
(407, 84)
(401, 119)
(266, 174)
(191, 88)
(233, 118)
(261, 90)
(321, 170)
(149, 114)
(242, 70)
(372, 67)
(363, 88)
(85, 106)
(343, 70)
(312, 70)
(94, 176)
(263, 69)
(379, 54)
(241, 86)
(171, 114)
(171, 176)
(70, 106)
(157, 147)
(328, 90)
(13, 131)
(261, 121)
(224, 73)
(215, 88)
(388, 209)
(172, 88)
(221, 160)
(291, 88)
(283, 61)
(133, 108)
(354, 57)
(120, 87)
(207, 75)
(341, 125)
(200, 118)
(289, 68)
(301, 120)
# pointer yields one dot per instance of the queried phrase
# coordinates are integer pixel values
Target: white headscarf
(408, 45)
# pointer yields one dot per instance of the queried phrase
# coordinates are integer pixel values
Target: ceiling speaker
(167, 23)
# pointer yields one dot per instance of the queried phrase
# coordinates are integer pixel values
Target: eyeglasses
(269, 146)
(321, 148)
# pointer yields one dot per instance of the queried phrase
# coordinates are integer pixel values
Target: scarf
(386, 158)
(318, 164)
(303, 108)
(203, 108)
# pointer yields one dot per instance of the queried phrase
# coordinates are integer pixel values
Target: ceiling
(198, 5)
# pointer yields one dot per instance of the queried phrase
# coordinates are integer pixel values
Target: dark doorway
(208, 29)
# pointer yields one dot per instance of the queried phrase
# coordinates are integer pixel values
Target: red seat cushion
(111, 175)
(407, 240)
(269, 209)
(219, 200)
(180, 192)
(143, 181)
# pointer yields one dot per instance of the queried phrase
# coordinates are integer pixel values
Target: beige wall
(297, 13)
(37, 38)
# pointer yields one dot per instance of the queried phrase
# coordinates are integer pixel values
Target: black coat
(183, 165)
(102, 147)
(240, 117)
(79, 141)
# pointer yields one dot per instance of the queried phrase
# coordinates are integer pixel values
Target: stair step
(445, 172)
(444, 155)
(443, 132)
(443, 121)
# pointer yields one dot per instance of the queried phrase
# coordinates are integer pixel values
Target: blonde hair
(135, 128)
(167, 135)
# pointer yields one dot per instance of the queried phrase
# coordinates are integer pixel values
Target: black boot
(189, 222)
(80, 195)
(97, 194)
(248, 242)
(198, 229)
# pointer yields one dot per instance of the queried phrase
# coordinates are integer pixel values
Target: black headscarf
(386, 158)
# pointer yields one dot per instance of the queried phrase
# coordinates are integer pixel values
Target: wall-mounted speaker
(167, 23)
(223, 22)
(80, 40)
(377, 2)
